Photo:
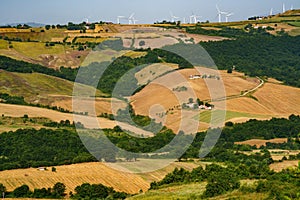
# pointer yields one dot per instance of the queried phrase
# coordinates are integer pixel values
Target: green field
(102, 56)
(35, 49)
(35, 85)
(205, 116)
(295, 32)
(297, 24)
(94, 40)
(37, 35)
(188, 191)
(194, 191)
(3, 44)
(14, 123)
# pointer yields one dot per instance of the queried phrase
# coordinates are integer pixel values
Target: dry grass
(20, 111)
(279, 99)
(72, 176)
(160, 91)
(258, 143)
(14, 123)
(153, 71)
(76, 174)
(278, 166)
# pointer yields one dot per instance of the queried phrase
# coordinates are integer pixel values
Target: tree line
(83, 191)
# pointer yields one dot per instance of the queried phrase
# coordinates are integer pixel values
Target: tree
(53, 169)
(2, 189)
(142, 43)
(59, 189)
(22, 191)
(47, 27)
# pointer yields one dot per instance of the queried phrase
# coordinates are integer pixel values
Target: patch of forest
(45, 147)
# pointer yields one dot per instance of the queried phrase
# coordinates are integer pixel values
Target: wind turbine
(173, 17)
(193, 18)
(131, 19)
(220, 13)
(228, 15)
(292, 7)
(283, 8)
(120, 17)
(86, 20)
(271, 12)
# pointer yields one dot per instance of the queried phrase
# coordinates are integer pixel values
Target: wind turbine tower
(228, 15)
(283, 8)
(220, 13)
(271, 12)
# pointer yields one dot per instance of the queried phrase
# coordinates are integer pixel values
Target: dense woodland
(19, 149)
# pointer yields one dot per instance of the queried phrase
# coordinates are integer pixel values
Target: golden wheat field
(280, 99)
(76, 174)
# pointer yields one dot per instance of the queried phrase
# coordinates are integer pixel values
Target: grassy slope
(35, 49)
(192, 191)
(35, 86)
(205, 116)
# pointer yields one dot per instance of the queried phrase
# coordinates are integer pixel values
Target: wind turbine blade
(218, 8)
(131, 16)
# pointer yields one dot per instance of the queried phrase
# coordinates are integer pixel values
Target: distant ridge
(32, 24)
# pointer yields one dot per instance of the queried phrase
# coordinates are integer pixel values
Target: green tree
(2, 189)
(59, 189)
(22, 191)
(47, 27)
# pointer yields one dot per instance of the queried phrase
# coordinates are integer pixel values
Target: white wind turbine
(228, 15)
(194, 18)
(119, 18)
(220, 13)
(283, 8)
(173, 17)
(271, 12)
(131, 19)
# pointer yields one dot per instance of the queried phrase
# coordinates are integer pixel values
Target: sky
(146, 11)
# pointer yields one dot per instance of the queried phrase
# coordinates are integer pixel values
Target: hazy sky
(146, 11)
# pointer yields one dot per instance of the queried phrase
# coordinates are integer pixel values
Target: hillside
(265, 103)
(74, 175)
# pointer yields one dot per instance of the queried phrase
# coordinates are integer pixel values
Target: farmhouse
(197, 76)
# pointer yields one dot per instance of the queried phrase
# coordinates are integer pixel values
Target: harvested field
(258, 143)
(76, 174)
(280, 99)
(279, 166)
(20, 111)
(72, 176)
